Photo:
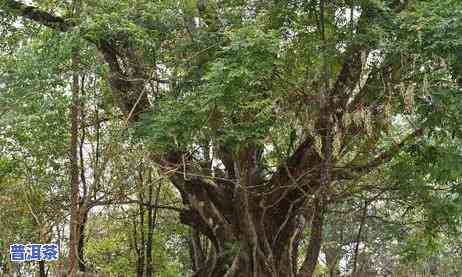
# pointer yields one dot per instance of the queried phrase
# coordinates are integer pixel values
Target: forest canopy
(258, 138)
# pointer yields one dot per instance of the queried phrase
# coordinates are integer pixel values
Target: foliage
(356, 103)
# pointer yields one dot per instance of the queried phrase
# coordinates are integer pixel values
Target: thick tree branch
(33, 13)
(128, 90)
(304, 156)
(356, 55)
(345, 83)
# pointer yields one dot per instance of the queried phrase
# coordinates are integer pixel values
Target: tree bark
(74, 166)
(197, 253)
(81, 245)
(42, 271)
(74, 175)
(314, 245)
(141, 252)
(152, 217)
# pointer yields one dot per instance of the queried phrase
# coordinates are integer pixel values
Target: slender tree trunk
(82, 225)
(6, 268)
(150, 235)
(151, 225)
(42, 271)
(152, 216)
(85, 198)
(141, 245)
(136, 248)
(74, 166)
(74, 174)
(314, 245)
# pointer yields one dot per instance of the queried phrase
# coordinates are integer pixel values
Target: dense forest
(232, 138)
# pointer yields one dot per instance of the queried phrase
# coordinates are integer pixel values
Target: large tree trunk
(254, 229)
(250, 238)
(258, 255)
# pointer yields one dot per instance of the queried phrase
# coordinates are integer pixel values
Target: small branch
(133, 201)
(389, 154)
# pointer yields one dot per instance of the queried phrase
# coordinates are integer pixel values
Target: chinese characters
(33, 252)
